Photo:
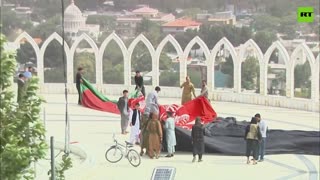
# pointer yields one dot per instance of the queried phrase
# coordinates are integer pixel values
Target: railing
(210, 55)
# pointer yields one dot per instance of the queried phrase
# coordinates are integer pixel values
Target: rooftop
(145, 10)
(182, 23)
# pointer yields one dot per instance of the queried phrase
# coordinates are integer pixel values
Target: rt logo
(305, 14)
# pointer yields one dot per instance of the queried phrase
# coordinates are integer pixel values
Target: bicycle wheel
(114, 154)
(134, 158)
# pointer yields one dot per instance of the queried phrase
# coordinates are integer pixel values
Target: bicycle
(115, 153)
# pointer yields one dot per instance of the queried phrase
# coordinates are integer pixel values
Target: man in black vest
(134, 121)
(138, 79)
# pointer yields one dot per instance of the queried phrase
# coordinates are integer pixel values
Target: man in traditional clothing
(155, 136)
(21, 87)
(152, 106)
(138, 79)
(204, 90)
(170, 134)
(188, 88)
(78, 82)
(134, 121)
(124, 110)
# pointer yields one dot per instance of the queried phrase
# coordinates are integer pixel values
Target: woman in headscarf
(197, 140)
(155, 136)
(252, 137)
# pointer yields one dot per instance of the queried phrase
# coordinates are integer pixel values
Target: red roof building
(180, 25)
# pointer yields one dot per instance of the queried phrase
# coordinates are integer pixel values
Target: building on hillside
(75, 23)
(127, 24)
(180, 26)
(219, 18)
(23, 13)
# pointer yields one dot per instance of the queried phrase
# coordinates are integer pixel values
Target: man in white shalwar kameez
(170, 134)
(134, 120)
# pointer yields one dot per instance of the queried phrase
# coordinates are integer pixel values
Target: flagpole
(67, 124)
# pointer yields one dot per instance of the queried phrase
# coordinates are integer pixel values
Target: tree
(10, 23)
(113, 68)
(227, 68)
(44, 30)
(165, 63)
(106, 23)
(22, 136)
(302, 74)
(249, 73)
(266, 23)
(151, 30)
(264, 39)
(87, 61)
(169, 78)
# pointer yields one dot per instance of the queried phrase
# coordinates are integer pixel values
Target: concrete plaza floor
(92, 132)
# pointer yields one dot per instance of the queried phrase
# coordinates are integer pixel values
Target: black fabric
(252, 148)
(134, 116)
(138, 81)
(227, 137)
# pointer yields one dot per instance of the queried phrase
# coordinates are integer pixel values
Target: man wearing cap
(170, 134)
(138, 79)
(152, 106)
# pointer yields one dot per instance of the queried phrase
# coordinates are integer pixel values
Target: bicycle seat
(129, 144)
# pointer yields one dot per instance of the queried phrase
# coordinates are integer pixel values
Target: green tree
(227, 68)
(169, 78)
(26, 53)
(302, 74)
(250, 73)
(22, 135)
(264, 39)
(113, 68)
(87, 61)
(44, 30)
(266, 23)
(10, 23)
(151, 30)
(107, 23)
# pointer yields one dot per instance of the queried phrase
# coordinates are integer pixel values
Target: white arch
(266, 58)
(251, 43)
(95, 48)
(224, 41)
(36, 50)
(183, 61)
(56, 36)
(168, 39)
(113, 36)
(243, 49)
(131, 48)
(29, 39)
(304, 48)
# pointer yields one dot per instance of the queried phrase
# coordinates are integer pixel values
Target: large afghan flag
(184, 115)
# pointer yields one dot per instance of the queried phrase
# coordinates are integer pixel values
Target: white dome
(72, 11)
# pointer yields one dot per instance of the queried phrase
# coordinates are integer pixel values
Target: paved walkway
(92, 131)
